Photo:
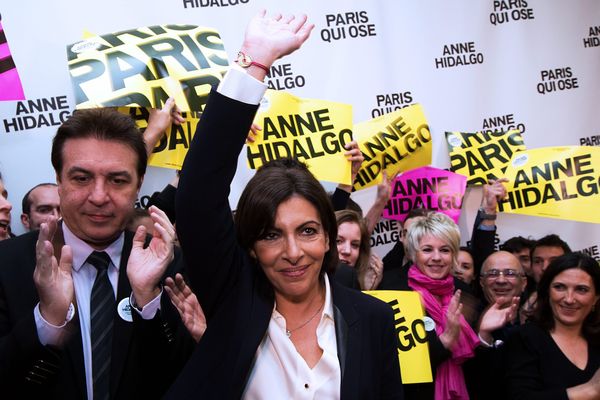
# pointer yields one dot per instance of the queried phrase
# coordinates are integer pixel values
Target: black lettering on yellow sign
(409, 334)
(552, 175)
(487, 155)
(161, 51)
(160, 96)
(304, 148)
(314, 133)
(296, 124)
(177, 135)
(395, 143)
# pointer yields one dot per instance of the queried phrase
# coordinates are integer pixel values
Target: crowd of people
(190, 300)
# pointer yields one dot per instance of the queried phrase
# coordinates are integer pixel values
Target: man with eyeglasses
(502, 281)
(502, 278)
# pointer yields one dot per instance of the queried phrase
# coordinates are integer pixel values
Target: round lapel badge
(429, 324)
(124, 310)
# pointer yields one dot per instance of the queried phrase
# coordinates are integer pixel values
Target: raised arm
(204, 222)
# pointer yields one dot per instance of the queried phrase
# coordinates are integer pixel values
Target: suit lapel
(122, 330)
(348, 335)
(74, 347)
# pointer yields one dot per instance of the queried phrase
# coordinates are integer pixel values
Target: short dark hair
(517, 243)
(26, 202)
(274, 183)
(543, 311)
(466, 250)
(102, 124)
(417, 212)
(552, 240)
(342, 216)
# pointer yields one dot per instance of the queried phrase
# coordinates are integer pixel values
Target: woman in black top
(558, 355)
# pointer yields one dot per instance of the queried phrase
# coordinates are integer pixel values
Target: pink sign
(10, 83)
(426, 187)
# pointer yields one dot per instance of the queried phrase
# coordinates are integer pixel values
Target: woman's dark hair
(273, 184)
(543, 312)
(364, 250)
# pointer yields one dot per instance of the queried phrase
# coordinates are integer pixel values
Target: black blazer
(236, 296)
(145, 355)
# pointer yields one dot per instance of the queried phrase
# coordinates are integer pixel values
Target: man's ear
(25, 221)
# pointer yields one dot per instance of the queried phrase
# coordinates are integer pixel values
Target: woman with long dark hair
(557, 355)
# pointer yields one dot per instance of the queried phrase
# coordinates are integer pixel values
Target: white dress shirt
(84, 275)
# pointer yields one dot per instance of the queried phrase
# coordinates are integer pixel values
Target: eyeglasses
(509, 274)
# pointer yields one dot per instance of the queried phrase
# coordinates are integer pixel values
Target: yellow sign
(310, 130)
(413, 350)
(482, 156)
(144, 67)
(555, 182)
(395, 142)
(170, 151)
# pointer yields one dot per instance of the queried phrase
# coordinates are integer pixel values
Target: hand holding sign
(160, 120)
(356, 159)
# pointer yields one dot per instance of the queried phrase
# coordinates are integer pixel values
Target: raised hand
(384, 192)
(159, 121)
(355, 156)
(52, 278)
(186, 303)
(146, 266)
(496, 317)
(371, 278)
(254, 129)
(269, 38)
(453, 315)
(493, 192)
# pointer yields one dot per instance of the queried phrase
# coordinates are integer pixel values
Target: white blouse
(280, 372)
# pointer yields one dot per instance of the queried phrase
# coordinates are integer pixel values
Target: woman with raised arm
(278, 327)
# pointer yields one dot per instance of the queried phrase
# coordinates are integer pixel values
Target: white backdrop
(403, 58)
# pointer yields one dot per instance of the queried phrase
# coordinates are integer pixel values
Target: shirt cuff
(483, 342)
(49, 334)
(488, 228)
(240, 86)
(149, 310)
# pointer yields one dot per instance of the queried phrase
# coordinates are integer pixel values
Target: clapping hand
(146, 265)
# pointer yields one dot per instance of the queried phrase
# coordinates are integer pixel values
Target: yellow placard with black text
(413, 350)
(555, 182)
(482, 156)
(395, 142)
(171, 149)
(310, 130)
(143, 67)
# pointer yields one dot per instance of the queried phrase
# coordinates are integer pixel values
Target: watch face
(243, 60)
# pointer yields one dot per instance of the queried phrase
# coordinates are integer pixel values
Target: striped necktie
(102, 309)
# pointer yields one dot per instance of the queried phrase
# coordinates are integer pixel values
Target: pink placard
(10, 82)
(426, 187)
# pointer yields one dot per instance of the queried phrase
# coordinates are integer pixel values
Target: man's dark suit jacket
(143, 356)
(237, 298)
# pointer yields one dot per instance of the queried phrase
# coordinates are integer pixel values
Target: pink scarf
(449, 379)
